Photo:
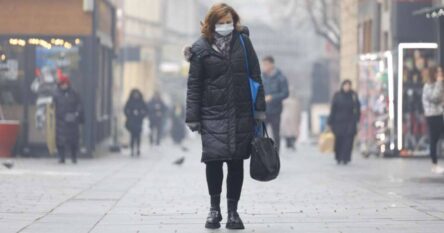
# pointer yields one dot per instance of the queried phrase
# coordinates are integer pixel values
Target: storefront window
(49, 64)
(28, 79)
(414, 127)
(12, 77)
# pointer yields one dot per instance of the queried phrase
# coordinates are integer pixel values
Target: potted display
(9, 131)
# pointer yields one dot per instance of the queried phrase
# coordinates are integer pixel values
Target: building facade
(75, 37)
(349, 40)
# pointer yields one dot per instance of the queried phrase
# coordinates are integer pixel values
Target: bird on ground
(179, 161)
(8, 164)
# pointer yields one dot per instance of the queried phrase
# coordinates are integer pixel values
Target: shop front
(35, 52)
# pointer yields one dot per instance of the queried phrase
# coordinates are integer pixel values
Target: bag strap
(245, 53)
(247, 67)
(264, 127)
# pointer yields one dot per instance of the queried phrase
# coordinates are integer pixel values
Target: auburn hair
(433, 73)
(216, 12)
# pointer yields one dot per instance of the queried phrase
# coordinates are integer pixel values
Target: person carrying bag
(265, 163)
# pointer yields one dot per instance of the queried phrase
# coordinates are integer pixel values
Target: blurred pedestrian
(290, 122)
(135, 111)
(344, 116)
(433, 101)
(157, 110)
(219, 105)
(178, 126)
(69, 115)
(276, 91)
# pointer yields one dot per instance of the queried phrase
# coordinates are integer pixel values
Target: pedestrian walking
(433, 101)
(290, 122)
(344, 116)
(219, 105)
(177, 124)
(276, 91)
(157, 110)
(69, 116)
(135, 111)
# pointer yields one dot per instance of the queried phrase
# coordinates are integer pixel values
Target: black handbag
(265, 163)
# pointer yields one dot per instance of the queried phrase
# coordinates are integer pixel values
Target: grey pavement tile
(149, 194)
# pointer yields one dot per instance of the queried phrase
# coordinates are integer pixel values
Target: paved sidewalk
(118, 194)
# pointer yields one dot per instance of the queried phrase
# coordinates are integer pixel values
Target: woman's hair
(432, 73)
(216, 12)
(135, 91)
(347, 81)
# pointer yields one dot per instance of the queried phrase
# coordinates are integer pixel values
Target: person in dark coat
(178, 126)
(219, 105)
(69, 115)
(344, 116)
(157, 111)
(135, 111)
(276, 91)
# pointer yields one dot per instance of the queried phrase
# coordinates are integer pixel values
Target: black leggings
(235, 178)
(135, 140)
(436, 128)
(62, 152)
(155, 133)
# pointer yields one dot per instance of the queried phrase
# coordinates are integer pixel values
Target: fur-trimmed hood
(188, 51)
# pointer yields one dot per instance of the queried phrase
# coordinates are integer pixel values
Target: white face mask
(224, 29)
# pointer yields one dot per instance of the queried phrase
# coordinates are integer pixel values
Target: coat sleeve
(126, 109)
(256, 75)
(283, 94)
(332, 111)
(79, 108)
(194, 90)
(358, 108)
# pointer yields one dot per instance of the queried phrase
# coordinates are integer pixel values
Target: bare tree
(324, 15)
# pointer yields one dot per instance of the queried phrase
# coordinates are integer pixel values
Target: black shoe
(138, 153)
(214, 218)
(234, 222)
(62, 161)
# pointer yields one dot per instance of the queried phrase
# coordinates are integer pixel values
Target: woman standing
(433, 100)
(290, 122)
(69, 116)
(135, 112)
(344, 117)
(178, 128)
(219, 105)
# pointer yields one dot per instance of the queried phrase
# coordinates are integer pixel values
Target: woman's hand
(195, 126)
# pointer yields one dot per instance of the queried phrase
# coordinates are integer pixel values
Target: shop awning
(431, 12)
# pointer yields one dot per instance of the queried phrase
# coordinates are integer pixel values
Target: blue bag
(254, 86)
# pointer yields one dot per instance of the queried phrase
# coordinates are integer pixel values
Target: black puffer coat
(219, 98)
(345, 113)
(69, 114)
(135, 112)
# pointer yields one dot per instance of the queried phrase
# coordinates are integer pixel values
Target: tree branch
(323, 26)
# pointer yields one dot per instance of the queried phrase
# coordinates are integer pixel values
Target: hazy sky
(249, 10)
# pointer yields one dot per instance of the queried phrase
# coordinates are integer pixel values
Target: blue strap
(245, 53)
(253, 84)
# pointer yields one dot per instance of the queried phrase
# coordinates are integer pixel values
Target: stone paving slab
(116, 193)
